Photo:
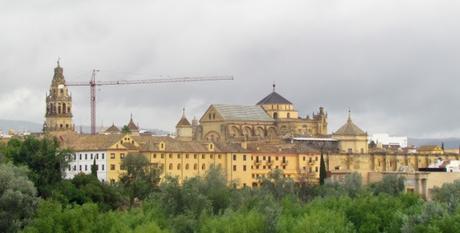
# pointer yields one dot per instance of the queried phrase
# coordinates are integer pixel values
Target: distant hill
(5, 125)
(21, 126)
(449, 143)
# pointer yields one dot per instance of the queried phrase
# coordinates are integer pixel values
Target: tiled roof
(183, 122)
(113, 129)
(89, 142)
(350, 129)
(274, 98)
(242, 113)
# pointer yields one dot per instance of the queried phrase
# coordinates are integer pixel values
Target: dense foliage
(140, 203)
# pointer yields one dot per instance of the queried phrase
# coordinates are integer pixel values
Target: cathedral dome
(274, 98)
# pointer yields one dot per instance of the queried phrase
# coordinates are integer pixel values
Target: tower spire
(274, 86)
(349, 114)
(183, 112)
(59, 62)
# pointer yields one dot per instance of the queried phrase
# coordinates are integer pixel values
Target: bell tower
(58, 104)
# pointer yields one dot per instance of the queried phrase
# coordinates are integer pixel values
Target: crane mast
(93, 83)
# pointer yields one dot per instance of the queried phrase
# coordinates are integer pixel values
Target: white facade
(83, 160)
(386, 139)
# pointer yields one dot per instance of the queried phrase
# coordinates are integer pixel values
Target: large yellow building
(271, 119)
(246, 142)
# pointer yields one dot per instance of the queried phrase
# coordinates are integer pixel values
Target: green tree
(390, 184)
(43, 157)
(140, 178)
(318, 221)
(235, 222)
(17, 198)
(277, 184)
(94, 168)
(322, 169)
(449, 194)
(125, 130)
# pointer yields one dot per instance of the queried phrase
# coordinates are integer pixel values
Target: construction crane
(93, 83)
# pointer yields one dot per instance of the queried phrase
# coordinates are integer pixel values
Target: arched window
(203, 167)
(186, 166)
(178, 166)
(170, 166)
(275, 115)
(64, 108)
(288, 115)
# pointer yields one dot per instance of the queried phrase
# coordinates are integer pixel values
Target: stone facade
(58, 105)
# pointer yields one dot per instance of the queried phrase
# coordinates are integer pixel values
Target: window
(74, 167)
(91, 156)
(102, 167)
(154, 156)
(316, 158)
(170, 166)
(284, 167)
(202, 156)
(178, 156)
(97, 167)
(244, 167)
(103, 155)
(263, 158)
(112, 155)
(234, 157)
(234, 167)
(162, 156)
(112, 167)
(186, 166)
(263, 167)
(80, 156)
(316, 169)
(211, 156)
(170, 156)
(122, 156)
(276, 158)
(219, 156)
(86, 167)
(86, 156)
(186, 156)
(309, 160)
(178, 166)
(194, 156)
(97, 156)
(203, 167)
(80, 167)
(70, 168)
(304, 158)
(195, 166)
(244, 157)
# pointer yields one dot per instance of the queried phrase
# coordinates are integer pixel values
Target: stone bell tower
(58, 116)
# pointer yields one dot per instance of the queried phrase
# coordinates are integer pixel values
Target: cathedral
(272, 119)
(58, 105)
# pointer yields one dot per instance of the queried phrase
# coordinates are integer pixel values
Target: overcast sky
(395, 63)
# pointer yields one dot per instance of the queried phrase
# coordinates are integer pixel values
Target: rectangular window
(186, 156)
(74, 167)
(103, 155)
(86, 167)
(194, 156)
(112, 167)
(154, 156)
(162, 156)
(112, 155)
(102, 167)
(244, 157)
(86, 156)
(178, 156)
(80, 156)
(234, 157)
(80, 167)
(122, 156)
(316, 158)
(304, 158)
(234, 167)
(202, 156)
(244, 167)
(170, 156)
(91, 156)
(219, 156)
(316, 169)
(97, 167)
(211, 156)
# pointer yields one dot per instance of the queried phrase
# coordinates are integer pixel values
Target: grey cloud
(394, 63)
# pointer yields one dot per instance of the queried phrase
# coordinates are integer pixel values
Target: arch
(271, 132)
(260, 131)
(212, 136)
(275, 115)
(247, 131)
(235, 131)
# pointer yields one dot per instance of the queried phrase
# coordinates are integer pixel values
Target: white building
(83, 160)
(387, 140)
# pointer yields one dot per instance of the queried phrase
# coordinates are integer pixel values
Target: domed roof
(183, 120)
(350, 129)
(113, 129)
(274, 98)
